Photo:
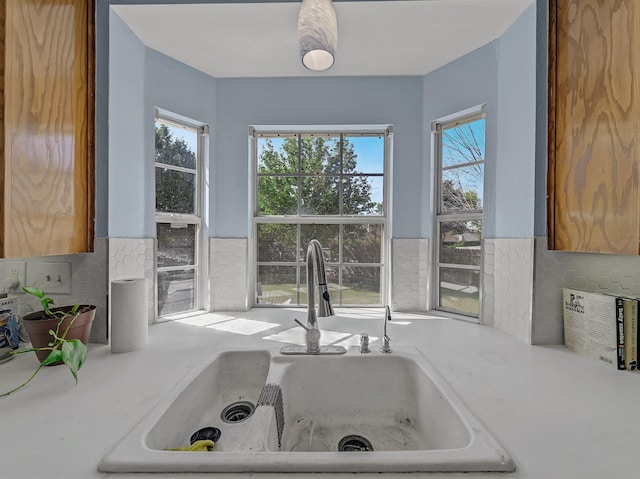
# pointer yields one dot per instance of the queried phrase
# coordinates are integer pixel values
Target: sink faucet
(315, 263)
(315, 269)
(386, 348)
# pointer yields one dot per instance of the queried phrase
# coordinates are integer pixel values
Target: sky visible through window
(370, 151)
(463, 144)
(187, 135)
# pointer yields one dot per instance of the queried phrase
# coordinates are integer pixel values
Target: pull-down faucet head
(386, 347)
(315, 263)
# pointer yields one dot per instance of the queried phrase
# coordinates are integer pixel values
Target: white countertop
(559, 415)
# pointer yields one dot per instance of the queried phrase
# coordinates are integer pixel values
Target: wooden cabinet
(47, 127)
(594, 126)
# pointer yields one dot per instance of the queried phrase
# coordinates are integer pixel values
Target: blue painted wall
(141, 80)
(128, 193)
(516, 129)
(501, 74)
(467, 82)
(179, 89)
(542, 33)
(316, 101)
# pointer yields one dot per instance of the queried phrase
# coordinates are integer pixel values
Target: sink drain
(237, 411)
(354, 443)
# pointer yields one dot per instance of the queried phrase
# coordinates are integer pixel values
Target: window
(460, 163)
(327, 186)
(178, 162)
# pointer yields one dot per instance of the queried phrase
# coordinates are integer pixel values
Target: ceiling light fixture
(317, 34)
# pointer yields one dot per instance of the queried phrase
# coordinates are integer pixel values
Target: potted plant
(58, 335)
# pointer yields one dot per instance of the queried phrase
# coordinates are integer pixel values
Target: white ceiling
(396, 37)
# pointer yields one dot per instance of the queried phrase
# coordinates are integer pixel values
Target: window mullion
(472, 267)
(300, 258)
(462, 165)
(299, 174)
(181, 169)
(466, 216)
(310, 219)
(177, 218)
(340, 177)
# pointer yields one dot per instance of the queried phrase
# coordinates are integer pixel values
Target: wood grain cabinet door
(48, 118)
(594, 125)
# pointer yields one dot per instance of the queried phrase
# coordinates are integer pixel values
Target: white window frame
(200, 266)
(437, 127)
(383, 219)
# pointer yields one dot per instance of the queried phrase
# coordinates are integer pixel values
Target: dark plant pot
(38, 325)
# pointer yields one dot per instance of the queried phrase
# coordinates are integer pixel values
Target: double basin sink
(352, 413)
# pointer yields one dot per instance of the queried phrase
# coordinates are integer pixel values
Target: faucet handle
(300, 324)
(386, 347)
(364, 343)
(312, 337)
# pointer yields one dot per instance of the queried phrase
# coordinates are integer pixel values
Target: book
(593, 326)
(631, 334)
(620, 338)
(9, 327)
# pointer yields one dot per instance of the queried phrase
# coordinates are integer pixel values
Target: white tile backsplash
(507, 301)
(134, 258)
(410, 274)
(554, 270)
(228, 274)
(521, 286)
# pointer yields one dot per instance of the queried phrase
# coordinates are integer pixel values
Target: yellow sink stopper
(203, 445)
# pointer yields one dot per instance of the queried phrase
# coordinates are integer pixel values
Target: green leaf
(74, 354)
(37, 292)
(54, 356)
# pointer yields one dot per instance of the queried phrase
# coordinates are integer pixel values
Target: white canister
(129, 315)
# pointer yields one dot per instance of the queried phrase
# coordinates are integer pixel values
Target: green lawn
(281, 293)
(465, 303)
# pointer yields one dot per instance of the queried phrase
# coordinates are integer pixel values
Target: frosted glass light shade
(317, 34)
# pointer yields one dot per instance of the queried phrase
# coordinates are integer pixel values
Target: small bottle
(364, 343)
